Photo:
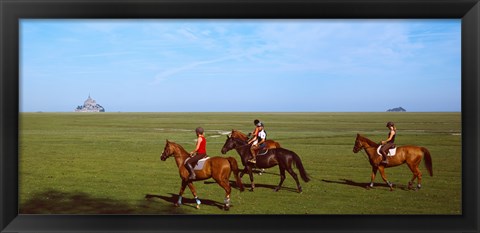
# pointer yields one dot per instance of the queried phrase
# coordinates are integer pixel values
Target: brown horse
(218, 168)
(269, 144)
(242, 136)
(412, 155)
(278, 156)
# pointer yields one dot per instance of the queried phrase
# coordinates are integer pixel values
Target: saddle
(391, 152)
(200, 163)
(262, 152)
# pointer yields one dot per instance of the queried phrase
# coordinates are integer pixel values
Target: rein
(238, 147)
(366, 155)
(178, 153)
(364, 152)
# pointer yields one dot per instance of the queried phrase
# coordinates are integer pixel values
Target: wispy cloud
(104, 54)
(171, 72)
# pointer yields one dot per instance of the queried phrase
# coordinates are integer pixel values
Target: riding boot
(190, 171)
(384, 159)
(254, 152)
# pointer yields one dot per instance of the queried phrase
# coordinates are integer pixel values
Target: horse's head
(358, 144)
(229, 144)
(167, 151)
(233, 143)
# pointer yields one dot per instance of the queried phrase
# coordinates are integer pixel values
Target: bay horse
(277, 156)
(218, 168)
(269, 143)
(411, 155)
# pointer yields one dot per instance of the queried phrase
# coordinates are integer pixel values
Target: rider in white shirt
(257, 141)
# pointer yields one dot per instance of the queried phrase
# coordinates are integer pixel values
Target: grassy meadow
(108, 163)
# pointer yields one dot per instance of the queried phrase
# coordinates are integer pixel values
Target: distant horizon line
(241, 112)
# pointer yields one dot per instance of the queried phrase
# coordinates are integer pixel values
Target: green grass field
(108, 163)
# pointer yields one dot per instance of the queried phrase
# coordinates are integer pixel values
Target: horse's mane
(238, 134)
(239, 140)
(180, 147)
(369, 142)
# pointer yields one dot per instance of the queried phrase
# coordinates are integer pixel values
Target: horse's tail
(428, 160)
(234, 167)
(299, 165)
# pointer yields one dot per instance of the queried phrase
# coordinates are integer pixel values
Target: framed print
(104, 104)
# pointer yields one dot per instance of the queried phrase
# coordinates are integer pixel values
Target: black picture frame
(11, 11)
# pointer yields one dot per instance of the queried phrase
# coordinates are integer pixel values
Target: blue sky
(241, 65)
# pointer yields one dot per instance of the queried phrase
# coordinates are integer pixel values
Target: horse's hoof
(410, 186)
(276, 190)
(176, 205)
(251, 190)
(226, 208)
(198, 207)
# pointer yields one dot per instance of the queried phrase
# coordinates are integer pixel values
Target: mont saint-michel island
(90, 105)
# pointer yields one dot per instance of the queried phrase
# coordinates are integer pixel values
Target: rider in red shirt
(200, 152)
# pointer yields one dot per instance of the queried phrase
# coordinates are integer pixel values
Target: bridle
(164, 155)
(358, 148)
(362, 146)
(170, 155)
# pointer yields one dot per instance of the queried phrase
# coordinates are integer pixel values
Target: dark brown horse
(278, 156)
(269, 144)
(411, 155)
(242, 136)
(218, 168)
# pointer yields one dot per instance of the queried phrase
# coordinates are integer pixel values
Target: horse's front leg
(384, 177)
(194, 192)
(372, 177)
(250, 174)
(243, 171)
(182, 190)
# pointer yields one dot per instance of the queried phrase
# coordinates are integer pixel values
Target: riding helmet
(390, 124)
(256, 121)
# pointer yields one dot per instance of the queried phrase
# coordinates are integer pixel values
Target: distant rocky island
(399, 109)
(90, 105)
